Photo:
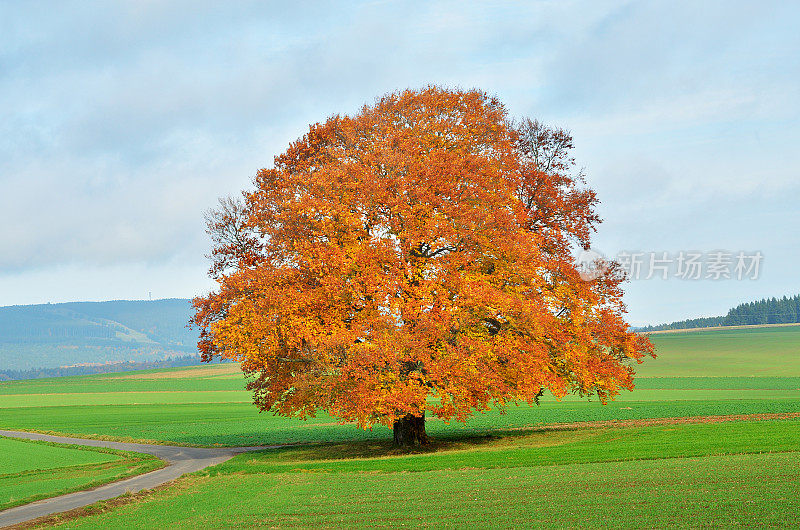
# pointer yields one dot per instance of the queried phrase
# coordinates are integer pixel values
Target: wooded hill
(785, 310)
(75, 333)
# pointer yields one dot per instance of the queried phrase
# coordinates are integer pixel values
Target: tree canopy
(416, 257)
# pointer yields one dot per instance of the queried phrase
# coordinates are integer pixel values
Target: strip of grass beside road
(17, 455)
(34, 470)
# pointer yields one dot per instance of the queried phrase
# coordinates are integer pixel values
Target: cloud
(121, 122)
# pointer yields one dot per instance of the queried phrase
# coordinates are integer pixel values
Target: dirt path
(181, 460)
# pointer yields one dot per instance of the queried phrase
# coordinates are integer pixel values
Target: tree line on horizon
(784, 310)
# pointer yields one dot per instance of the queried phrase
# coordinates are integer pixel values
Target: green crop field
(525, 465)
(24, 455)
(722, 474)
(32, 470)
(757, 351)
(719, 372)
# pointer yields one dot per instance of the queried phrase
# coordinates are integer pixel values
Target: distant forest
(785, 310)
(76, 335)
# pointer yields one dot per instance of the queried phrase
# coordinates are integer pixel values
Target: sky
(122, 122)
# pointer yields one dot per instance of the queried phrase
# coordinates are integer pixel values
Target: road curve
(181, 460)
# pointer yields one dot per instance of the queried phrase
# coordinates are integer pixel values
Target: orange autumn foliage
(416, 257)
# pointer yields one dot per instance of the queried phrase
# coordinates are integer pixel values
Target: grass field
(756, 351)
(720, 372)
(735, 474)
(566, 496)
(528, 465)
(32, 470)
(23, 455)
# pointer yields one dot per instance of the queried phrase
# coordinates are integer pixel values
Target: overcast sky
(121, 122)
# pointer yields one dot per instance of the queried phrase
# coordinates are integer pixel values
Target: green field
(722, 474)
(757, 351)
(684, 492)
(31, 470)
(702, 373)
(519, 466)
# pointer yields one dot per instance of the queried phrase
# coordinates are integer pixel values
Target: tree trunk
(409, 431)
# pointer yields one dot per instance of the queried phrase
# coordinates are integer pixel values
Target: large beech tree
(416, 258)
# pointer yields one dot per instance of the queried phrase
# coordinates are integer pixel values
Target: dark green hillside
(55, 335)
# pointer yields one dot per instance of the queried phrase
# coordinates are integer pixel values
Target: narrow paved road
(181, 460)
